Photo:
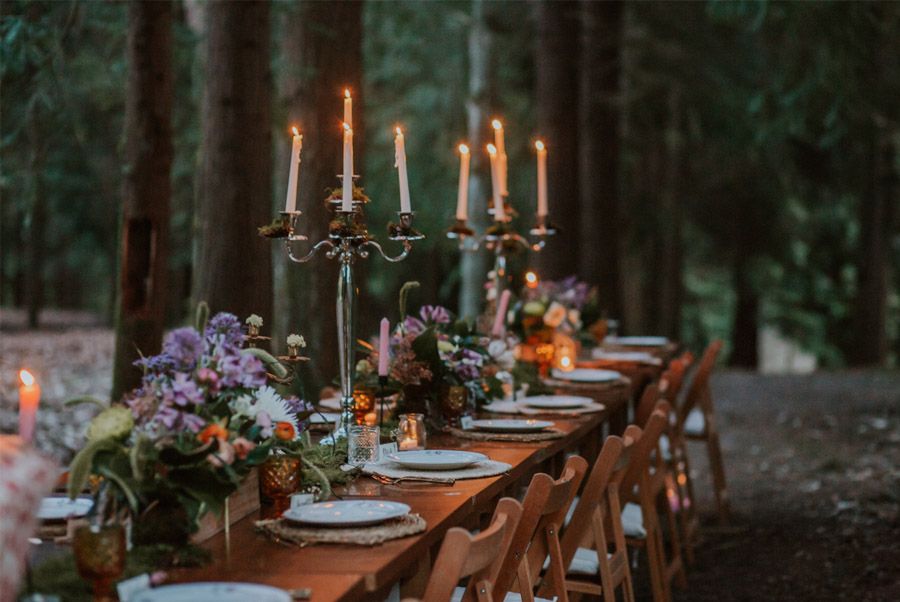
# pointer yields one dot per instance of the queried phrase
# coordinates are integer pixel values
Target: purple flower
(413, 326)
(209, 378)
(184, 346)
(241, 370)
(184, 391)
(264, 422)
(434, 314)
(155, 364)
(224, 328)
(175, 420)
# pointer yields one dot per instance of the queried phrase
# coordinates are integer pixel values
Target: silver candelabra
(349, 239)
(502, 241)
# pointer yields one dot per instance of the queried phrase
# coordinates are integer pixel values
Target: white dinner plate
(347, 513)
(60, 507)
(587, 375)
(212, 592)
(556, 402)
(324, 418)
(436, 459)
(511, 425)
(638, 341)
(330, 403)
(624, 356)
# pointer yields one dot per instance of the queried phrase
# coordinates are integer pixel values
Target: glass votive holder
(410, 433)
(363, 445)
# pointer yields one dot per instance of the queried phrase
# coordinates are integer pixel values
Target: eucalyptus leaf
(276, 367)
(83, 463)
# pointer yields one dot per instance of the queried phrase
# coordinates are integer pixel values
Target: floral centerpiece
(551, 306)
(184, 440)
(435, 356)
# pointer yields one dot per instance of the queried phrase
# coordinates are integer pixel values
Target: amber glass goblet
(100, 557)
(279, 478)
(544, 353)
(453, 403)
(363, 403)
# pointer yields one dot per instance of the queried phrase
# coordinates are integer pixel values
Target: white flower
(243, 406)
(270, 402)
(295, 340)
(446, 347)
(254, 320)
(575, 318)
(555, 315)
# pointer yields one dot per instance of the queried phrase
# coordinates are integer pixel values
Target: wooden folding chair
(463, 554)
(595, 527)
(696, 420)
(545, 507)
(644, 491)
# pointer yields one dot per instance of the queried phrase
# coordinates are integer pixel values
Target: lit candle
(531, 279)
(541, 178)
(499, 213)
(500, 142)
(462, 195)
(29, 397)
(500, 318)
(347, 200)
(408, 442)
(348, 107)
(400, 164)
(290, 203)
(383, 354)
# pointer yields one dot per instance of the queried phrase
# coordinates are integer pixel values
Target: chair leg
(717, 467)
(686, 509)
(656, 565)
(675, 543)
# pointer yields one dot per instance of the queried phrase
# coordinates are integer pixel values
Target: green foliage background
(775, 96)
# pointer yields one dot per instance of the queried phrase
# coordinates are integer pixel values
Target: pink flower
(224, 455)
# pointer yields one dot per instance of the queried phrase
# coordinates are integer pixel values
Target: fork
(397, 480)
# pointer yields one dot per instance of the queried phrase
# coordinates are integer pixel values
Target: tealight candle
(29, 398)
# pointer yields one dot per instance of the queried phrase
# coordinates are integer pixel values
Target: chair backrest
(700, 384)
(593, 496)
(639, 457)
(463, 554)
(672, 379)
(647, 404)
(545, 507)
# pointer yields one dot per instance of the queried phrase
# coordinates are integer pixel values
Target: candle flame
(347, 127)
(346, 92)
(398, 130)
(463, 149)
(26, 377)
(295, 130)
(497, 125)
(531, 279)
(539, 145)
(492, 149)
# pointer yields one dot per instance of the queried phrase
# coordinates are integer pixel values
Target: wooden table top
(343, 572)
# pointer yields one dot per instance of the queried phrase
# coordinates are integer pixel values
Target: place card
(131, 587)
(466, 423)
(388, 448)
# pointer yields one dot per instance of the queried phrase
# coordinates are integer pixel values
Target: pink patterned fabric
(25, 477)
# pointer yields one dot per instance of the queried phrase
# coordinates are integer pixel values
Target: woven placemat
(282, 530)
(521, 407)
(546, 435)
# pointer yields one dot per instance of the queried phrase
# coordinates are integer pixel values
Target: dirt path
(814, 475)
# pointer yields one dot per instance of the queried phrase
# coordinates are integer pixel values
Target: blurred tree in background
(757, 165)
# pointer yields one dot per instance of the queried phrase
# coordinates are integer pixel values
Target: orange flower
(212, 431)
(242, 447)
(284, 431)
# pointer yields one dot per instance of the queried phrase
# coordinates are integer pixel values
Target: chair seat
(695, 423)
(665, 448)
(585, 562)
(459, 592)
(632, 519)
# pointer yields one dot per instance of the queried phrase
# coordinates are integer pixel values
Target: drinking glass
(100, 557)
(363, 403)
(363, 445)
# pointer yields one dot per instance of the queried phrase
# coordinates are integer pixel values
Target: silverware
(397, 480)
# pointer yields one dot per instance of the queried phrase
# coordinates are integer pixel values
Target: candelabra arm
(407, 247)
(322, 244)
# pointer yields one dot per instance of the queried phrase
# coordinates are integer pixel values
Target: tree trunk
(233, 271)
(474, 266)
(322, 54)
(669, 262)
(34, 276)
(598, 172)
(745, 328)
(556, 94)
(876, 219)
(146, 190)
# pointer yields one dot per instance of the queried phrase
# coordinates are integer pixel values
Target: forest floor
(813, 466)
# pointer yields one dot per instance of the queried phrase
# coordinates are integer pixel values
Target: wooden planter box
(239, 504)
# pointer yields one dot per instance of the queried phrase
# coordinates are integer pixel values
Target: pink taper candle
(383, 354)
(500, 318)
(29, 397)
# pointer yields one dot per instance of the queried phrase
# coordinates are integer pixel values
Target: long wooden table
(345, 572)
